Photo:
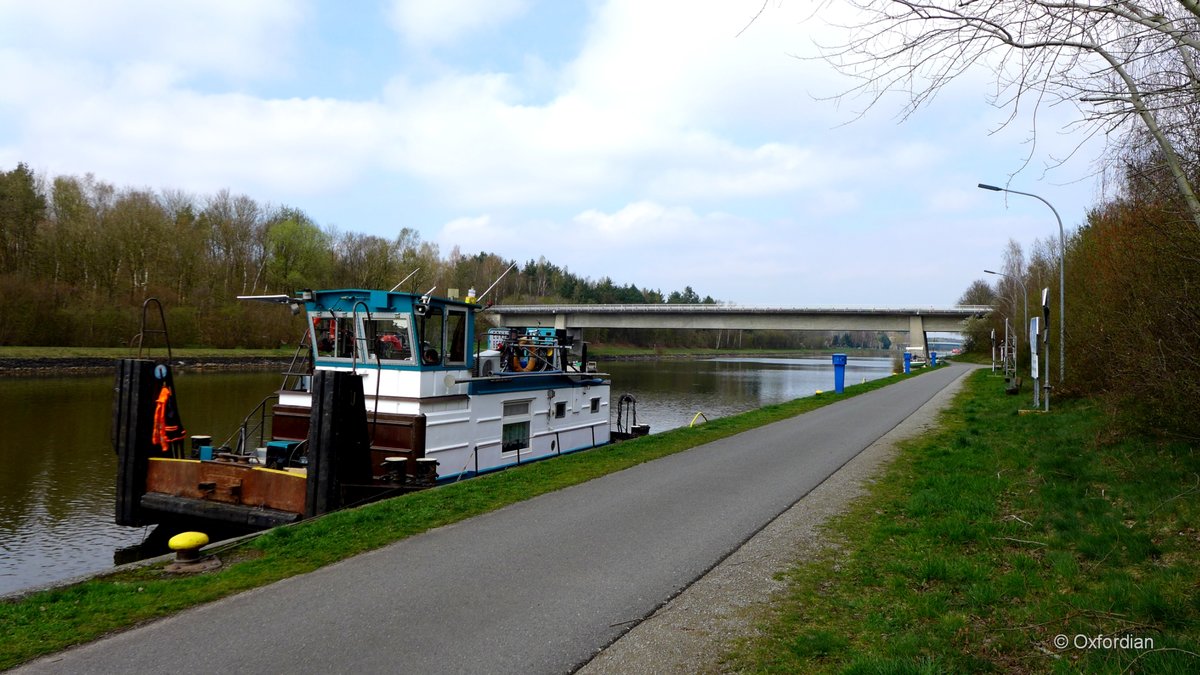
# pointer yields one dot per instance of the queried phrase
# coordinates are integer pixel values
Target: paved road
(537, 587)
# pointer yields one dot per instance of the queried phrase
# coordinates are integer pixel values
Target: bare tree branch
(1130, 67)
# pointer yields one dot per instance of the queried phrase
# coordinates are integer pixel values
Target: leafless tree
(1132, 67)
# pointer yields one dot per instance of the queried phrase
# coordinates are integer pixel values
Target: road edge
(693, 631)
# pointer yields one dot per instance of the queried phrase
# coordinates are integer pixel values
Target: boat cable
(463, 470)
(221, 547)
(410, 274)
(489, 288)
(378, 365)
(698, 416)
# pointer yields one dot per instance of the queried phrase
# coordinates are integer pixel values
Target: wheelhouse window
(388, 338)
(432, 331)
(333, 337)
(456, 334)
(515, 432)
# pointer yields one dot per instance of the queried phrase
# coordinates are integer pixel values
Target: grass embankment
(994, 536)
(127, 352)
(617, 351)
(49, 621)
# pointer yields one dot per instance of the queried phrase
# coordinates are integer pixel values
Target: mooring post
(339, 445)
(133, 426)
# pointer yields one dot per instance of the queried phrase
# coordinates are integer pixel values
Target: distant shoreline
(54, 366)
(98, 365)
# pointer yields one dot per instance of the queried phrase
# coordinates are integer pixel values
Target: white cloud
(427, 24)
(204, 143)
(666, 148)
(235, 39)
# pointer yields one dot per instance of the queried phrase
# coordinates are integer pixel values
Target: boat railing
(254, 423)
(626, 413)
(140, 338)
(297, 376)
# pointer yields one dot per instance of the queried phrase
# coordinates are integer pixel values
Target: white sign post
(1034, 339)
(1046, 341)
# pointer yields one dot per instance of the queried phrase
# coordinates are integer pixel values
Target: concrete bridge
(574, 318)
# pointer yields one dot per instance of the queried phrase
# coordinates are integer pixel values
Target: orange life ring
(530, 362)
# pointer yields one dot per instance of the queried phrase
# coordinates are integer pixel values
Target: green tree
(22, 208)
(298, 253)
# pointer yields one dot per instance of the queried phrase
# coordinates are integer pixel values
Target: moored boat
(393, 393)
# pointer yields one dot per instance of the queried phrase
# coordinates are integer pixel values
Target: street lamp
(1062, 252)
(1025, 317)
(1025, 297)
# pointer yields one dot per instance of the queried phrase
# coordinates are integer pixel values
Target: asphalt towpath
(537, 587)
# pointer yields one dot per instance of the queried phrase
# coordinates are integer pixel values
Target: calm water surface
(58, 469)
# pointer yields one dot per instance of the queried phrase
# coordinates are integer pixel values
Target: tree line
(1130, 72)
(78, 256)
(1132, 302)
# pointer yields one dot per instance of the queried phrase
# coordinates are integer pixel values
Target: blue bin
(839, 373)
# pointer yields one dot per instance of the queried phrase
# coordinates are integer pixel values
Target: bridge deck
(923, 319)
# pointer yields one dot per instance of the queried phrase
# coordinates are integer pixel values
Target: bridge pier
(916, 334)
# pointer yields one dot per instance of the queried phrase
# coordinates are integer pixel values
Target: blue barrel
(839, 373)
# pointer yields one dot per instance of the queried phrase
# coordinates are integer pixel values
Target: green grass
(50, 621)
(992, 536)
(126, 352)
(613, 351)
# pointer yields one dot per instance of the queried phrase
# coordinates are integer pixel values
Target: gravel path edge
(694, 630)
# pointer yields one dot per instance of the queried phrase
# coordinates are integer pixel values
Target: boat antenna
(410, 274)
(489, 288)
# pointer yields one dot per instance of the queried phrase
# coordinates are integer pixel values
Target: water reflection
(57, 487)
(670, 393)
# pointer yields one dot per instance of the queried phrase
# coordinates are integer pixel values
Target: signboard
(1033, 347)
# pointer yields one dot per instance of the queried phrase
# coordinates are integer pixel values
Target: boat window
(515, 432)
(431, 326)
(334, 337)
(560, 409)
(389, 338)
(596, 405)
(456, 332)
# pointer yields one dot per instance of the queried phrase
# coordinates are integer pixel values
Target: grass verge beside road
(128, 353)
(49, 621)
(1005, 542)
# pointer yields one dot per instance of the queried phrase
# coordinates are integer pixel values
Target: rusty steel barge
(391, 392)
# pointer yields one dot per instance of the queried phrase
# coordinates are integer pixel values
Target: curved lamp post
(1062, 252)
(1025, 317)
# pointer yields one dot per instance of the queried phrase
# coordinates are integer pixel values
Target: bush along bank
(1005, 542)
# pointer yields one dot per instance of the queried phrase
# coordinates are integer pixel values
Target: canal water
(58, 469)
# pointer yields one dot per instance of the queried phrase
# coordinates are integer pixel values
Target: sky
(660, 143)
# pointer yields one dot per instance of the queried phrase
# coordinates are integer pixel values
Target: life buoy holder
(531, 362)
